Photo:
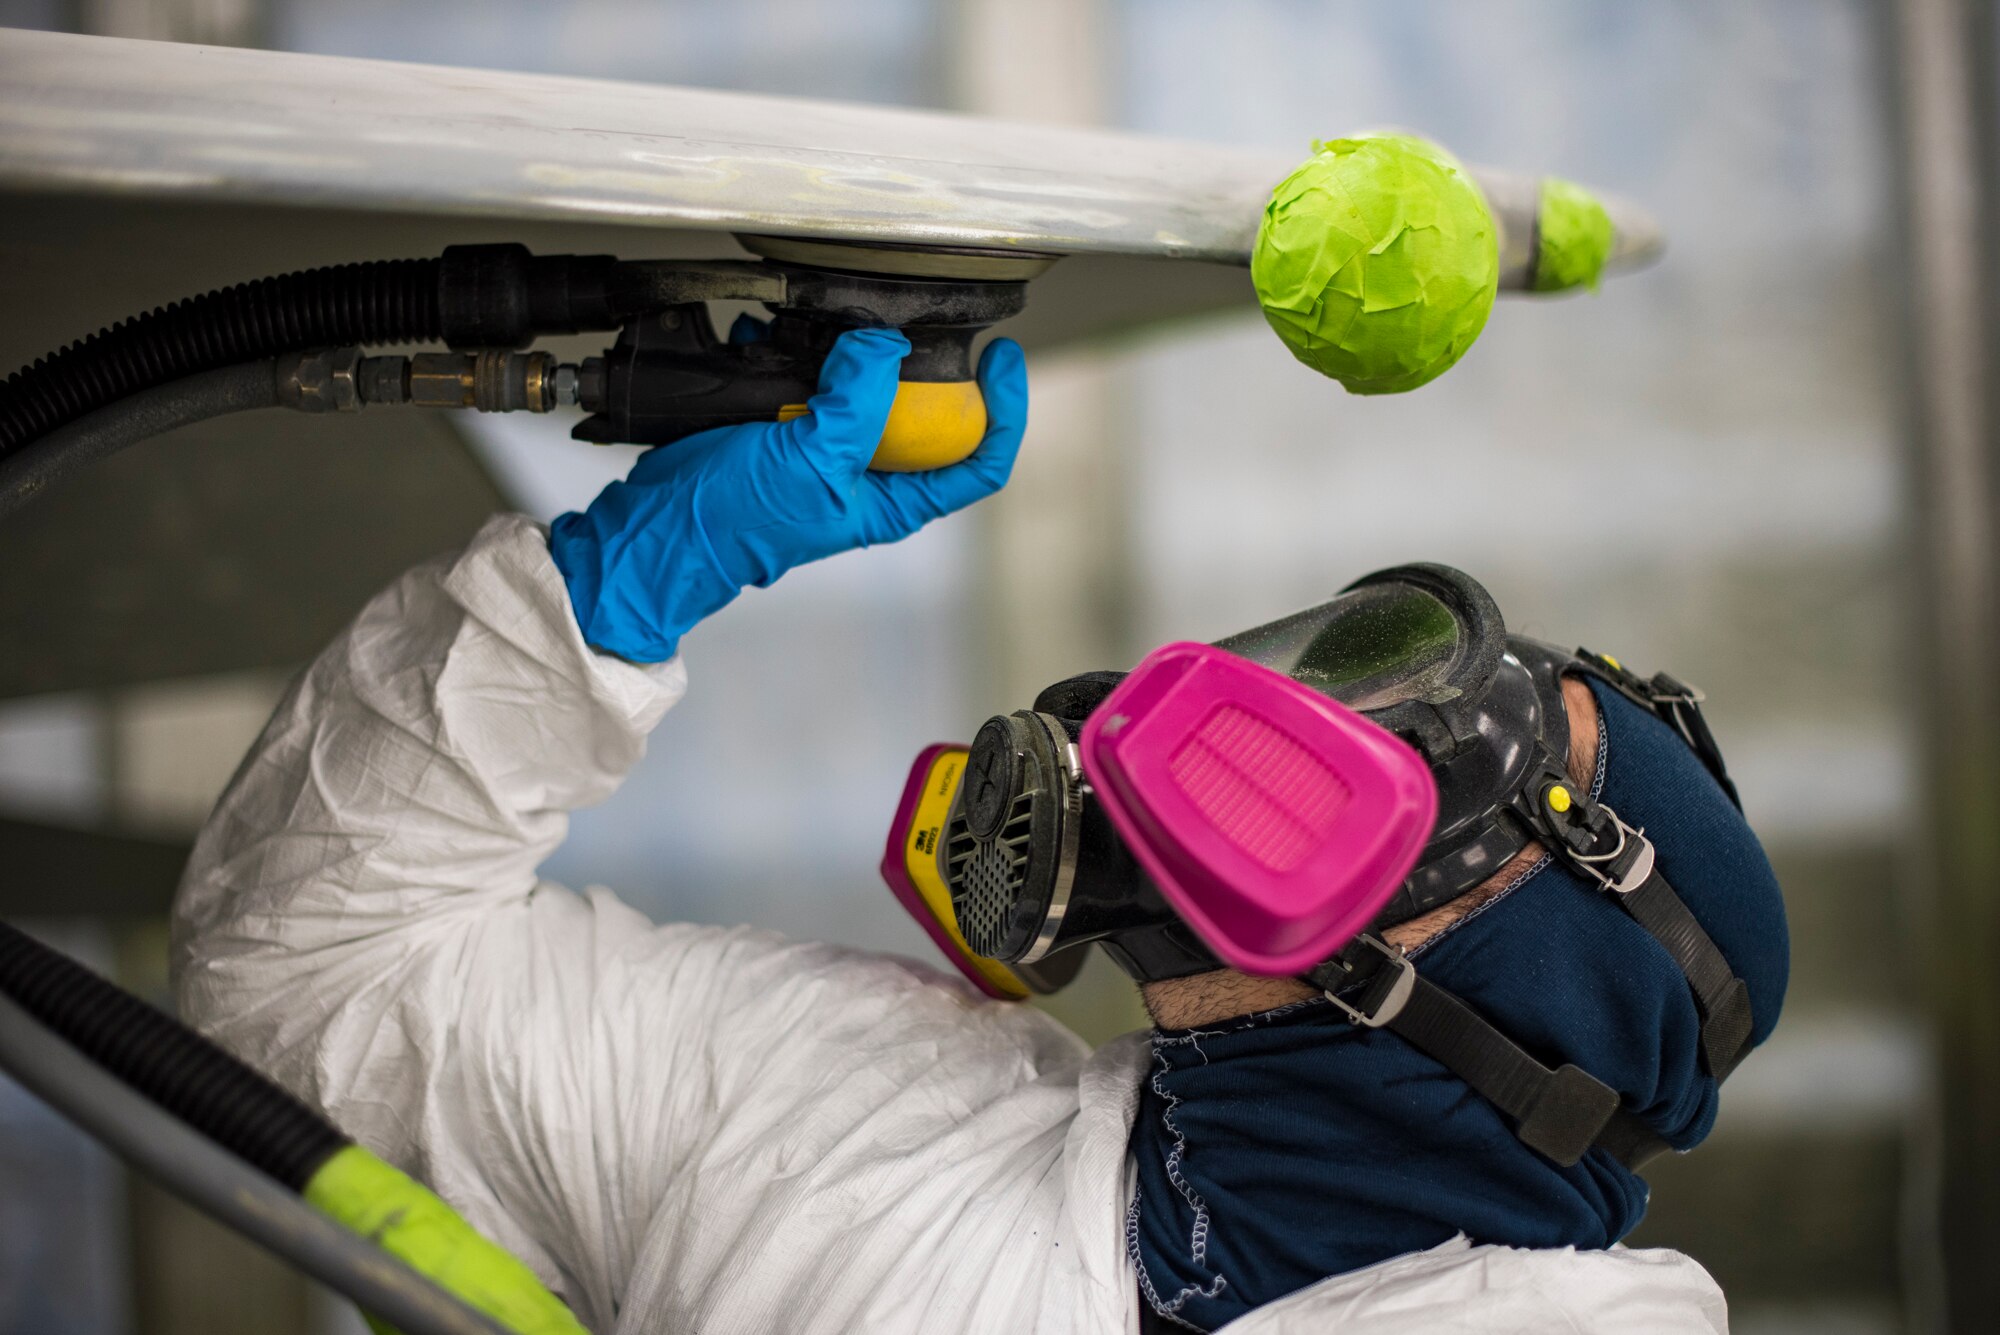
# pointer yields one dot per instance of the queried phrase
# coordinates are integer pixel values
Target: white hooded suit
(691, 1129)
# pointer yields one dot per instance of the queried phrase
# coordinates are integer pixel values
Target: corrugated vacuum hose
(381, 302)
(296, 341)
(236, 1145)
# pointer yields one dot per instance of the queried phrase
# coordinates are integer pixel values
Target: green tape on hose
(1377, 262)
(1576, 237)
(407, 1220)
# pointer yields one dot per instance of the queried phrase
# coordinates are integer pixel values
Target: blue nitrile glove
(696, 521)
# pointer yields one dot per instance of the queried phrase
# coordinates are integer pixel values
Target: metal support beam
(1942, 75)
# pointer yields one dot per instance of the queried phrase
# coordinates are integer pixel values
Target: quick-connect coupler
(489, 382)
(343, 380)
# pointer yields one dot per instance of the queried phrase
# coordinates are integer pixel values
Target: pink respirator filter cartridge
(1274, 819)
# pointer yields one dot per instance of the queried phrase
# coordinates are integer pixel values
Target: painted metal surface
(158, 118)
(103, 115)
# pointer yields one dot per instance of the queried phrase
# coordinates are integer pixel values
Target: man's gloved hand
(696, 521)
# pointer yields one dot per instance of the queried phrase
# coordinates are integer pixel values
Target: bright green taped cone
(1576, 238)
(1377, 262)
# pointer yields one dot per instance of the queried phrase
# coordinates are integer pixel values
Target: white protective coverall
(689, 1128)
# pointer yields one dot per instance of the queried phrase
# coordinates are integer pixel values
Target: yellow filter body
(920, 860)
(933, 423)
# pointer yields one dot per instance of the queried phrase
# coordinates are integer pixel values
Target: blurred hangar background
(1750, 465)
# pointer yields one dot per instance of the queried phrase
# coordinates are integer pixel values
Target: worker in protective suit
(694, 1128)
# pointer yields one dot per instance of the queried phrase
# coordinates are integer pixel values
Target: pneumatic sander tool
(671, 375)
(299, 341)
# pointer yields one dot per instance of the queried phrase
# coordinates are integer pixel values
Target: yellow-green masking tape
(1377, 262)
(407, 1220)
(1576, 238)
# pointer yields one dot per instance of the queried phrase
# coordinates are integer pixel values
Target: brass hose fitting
(489, 382)
(342, 380)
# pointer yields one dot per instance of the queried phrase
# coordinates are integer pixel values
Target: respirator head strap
(1590, 838)
(1673, 701)
(1560, 1113)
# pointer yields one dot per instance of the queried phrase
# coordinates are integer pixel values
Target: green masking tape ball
(1377, 262)
(1576, 237)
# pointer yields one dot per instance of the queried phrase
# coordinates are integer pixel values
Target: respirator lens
(1372, 647)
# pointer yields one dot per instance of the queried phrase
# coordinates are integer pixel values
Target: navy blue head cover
(1281, 1148)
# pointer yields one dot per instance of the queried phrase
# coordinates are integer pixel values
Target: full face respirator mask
(1273, 802)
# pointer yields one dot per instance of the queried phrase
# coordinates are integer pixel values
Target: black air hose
(383, 301)
(168, 1062)
(94, 437)
(489, 296)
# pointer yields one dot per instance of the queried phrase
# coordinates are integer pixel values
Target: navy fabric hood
(1280, 1148)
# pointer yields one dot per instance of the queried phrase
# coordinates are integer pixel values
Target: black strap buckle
(1387, 990)
(1680, 705)
(1628, 864)
(1674, 702)
(1575, 828)
(1667, 689)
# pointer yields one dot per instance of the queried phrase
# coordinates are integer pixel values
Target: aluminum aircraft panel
(154, 120)
(157, 118)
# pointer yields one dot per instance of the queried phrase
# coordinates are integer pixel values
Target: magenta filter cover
(1274, 819)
